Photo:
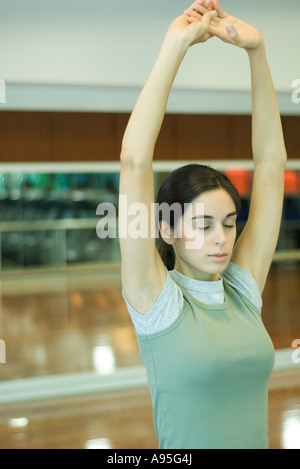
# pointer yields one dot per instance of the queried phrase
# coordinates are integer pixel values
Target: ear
(166, 232)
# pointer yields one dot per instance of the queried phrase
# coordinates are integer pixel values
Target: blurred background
(73, 376)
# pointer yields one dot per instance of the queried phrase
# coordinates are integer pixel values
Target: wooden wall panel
(291, 129)
(25, 136)
(70, 136)
(166, 143)
(121, 124)
(241, 144)
(84, 137)
(203, 137)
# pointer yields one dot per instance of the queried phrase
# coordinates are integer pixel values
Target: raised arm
(255, 248)
(143, 272)
(146, 119)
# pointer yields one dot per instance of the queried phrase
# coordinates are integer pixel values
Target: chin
(218, 268)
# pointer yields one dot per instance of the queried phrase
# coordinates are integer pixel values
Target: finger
(193, 14)
(232, 33)
(202, 5)
(203, 10)
(234, 36)
(205, 20)
(219, 10)
(191, 20)
(206, 3)
(209, 4)
(208, 16)
(198, 7)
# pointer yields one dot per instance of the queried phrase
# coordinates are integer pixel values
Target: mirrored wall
(62, 311)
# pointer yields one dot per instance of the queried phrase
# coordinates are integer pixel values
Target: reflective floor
(57, 323)
(121, 420)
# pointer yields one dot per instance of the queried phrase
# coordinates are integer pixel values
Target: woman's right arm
(143, 272)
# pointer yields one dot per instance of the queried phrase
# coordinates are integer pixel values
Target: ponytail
(167, 254)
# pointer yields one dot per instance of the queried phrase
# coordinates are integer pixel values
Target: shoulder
(163, 313)
(242, 281)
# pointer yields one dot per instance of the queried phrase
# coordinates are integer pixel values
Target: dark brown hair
(182, 186)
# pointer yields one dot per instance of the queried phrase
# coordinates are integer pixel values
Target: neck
(196, 274)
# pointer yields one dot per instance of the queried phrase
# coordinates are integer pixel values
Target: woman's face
(206, 236)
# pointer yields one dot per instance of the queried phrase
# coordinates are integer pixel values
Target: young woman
(197, 309)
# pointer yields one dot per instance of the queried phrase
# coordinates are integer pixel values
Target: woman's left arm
(256, 246)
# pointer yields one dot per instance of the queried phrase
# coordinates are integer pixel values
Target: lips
(218, 257)
(218, 254)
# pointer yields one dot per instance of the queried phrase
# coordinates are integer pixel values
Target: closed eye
(211, 226)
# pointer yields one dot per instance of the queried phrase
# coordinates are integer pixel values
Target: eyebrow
(209, 217)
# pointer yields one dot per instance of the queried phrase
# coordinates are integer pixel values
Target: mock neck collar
(199, 286)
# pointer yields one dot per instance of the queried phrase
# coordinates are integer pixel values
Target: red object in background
(291, 182)
(240, 178)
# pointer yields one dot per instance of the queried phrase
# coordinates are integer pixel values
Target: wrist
(258, 50)
(177, 41)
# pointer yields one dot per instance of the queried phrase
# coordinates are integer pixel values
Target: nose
(220, 238)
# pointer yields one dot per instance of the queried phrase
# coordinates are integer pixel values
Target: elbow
(132, 158)
(285, 157)
(128, 150)
(125, 154)
(281, 154)
(128, 157)
(282, 158)
(272, 157)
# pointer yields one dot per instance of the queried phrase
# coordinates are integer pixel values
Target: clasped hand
(206, 19)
